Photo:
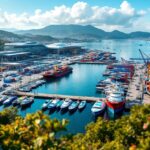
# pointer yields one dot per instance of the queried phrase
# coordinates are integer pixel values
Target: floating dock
(53, 96)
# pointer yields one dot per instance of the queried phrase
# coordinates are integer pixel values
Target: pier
(97, 62)
(53, 96)
(136, 88)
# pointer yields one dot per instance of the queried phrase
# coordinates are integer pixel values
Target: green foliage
(37, 131)
(8, 115)
(129, 132)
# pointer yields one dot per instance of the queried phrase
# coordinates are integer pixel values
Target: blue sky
(125, 15)
(19, 6)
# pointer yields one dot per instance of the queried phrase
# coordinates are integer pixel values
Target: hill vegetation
(80, 32)
(37, 131)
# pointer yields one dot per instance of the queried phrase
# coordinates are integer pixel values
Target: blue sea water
(83, 80)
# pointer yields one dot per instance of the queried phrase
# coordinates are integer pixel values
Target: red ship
(115, 103)
(57, 72)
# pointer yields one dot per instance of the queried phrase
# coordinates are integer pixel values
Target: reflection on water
(81, 82)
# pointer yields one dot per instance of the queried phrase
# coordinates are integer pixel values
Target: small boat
(82, 105)
(9, 100)
(45, 104)
(25, 89)
(53, 104)
(59, 104)
(2, 99)
(66, 104)
(27, 102)
(18, 101)
(74, 105)
(98, 108)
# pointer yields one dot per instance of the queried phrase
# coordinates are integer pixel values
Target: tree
(38, 131)
(35, 131)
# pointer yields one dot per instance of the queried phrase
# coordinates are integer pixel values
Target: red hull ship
(114, 105)
(57, 72)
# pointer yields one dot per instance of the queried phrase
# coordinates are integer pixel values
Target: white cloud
(80, 13)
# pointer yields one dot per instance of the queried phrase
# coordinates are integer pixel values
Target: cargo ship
(57, 72)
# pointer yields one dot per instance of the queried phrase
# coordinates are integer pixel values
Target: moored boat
(66, 104)
(18, 101)
(115, 104)
(27, 102)
(73, 106)
(58, 105)
(57, 72)
(45, 104)
(98, 107)
(2, 99)
(82, 105)
(9, 100)
(53, 104)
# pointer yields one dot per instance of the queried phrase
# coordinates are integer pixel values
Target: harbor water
(82, 81)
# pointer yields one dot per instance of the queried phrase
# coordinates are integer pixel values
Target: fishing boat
(82, 105)
(57, 72)
(53, 104)
(18, 101)
(2, 99)
(98, 108)
(27, 102)
(73, 106)
(58, 105)
(45, 104)
(66, 104)
(9, 100)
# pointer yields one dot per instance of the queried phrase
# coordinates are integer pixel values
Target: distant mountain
(117, 35)
(68, 31)
(79, 32)
(40, 38)
(11, 37)
(139, 34)
(8, 36)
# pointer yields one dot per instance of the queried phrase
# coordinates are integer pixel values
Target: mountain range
(70, 33)
(86, 32)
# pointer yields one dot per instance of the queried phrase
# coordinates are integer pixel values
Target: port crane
(146, 61)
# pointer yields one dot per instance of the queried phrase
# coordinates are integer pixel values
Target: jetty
(136, 88)
(53, 96)
(97, 62)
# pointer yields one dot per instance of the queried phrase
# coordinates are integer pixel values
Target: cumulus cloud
(79, 13)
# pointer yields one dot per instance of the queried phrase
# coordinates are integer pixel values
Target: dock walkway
(52, 96)
(136, 90)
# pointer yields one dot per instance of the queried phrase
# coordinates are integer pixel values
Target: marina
(75, 86)
(75, 75)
